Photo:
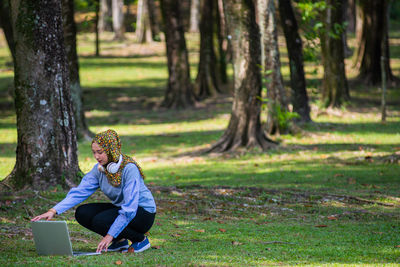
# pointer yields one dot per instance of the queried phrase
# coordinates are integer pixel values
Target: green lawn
(328, 196)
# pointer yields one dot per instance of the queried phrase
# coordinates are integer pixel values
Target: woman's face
(99, 154)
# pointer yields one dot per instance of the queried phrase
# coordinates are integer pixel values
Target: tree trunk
(347, 51)
(69, 27)
(244, 129)
(351, 16)
(97, 32)
(105, 18)
(222, 42)
(5, 23)
(206, 81)
(143, 29)
(335, 88)
(277, 101)
(194, 15)
(179, 93)
(371, 16)
(153, 18)
(47, 149)
(118, 19)
(295, 50)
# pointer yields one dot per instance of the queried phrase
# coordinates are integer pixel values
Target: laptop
(52, 238)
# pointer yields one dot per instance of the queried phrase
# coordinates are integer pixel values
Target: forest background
(316, 189)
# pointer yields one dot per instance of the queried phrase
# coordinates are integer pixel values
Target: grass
(328, 196)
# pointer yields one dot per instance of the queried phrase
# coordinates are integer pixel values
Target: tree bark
(5, 23)
(371, 17)
(143, 29)
(206, 81)
(335, 88)
(69, 27)
(244, 129)
(47, 149)
(222, 42)
(277, 100)
(294, 46)
(153, 18)
(179, 92)
(351, 16)
(194, 15)
(105, 18)
(118, 19)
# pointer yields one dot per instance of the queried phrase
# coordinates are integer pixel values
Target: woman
(132, 209)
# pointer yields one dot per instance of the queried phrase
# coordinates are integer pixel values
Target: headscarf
(110, 142)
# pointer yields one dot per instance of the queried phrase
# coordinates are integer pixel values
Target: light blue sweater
(129, 195)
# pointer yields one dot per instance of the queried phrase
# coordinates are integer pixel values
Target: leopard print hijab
(110, 142)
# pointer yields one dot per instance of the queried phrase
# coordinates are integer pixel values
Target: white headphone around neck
(113, 167)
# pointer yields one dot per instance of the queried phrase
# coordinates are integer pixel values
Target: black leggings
(99, 217)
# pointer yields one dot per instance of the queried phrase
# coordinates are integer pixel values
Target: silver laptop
(52, 238)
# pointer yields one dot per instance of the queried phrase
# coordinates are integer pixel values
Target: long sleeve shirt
(129, 195)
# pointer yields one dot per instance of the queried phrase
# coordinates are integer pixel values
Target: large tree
(372, 16)
(46, 150)
(294, 46)
(118, 19)
(244, 129)
(154, 21)
(194, 15)
(335, 87)
(69, 27)
(105, 16)
(277, 100)
(5, 23)
(143, 28)
(206, 81)
(223, 45)
(179, 92)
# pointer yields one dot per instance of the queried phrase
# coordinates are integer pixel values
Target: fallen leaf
(222, 230)
(220, 222)
(338, 175)
(397, 246)
(332, 218)
(207, 219)
(321, 225)
(200, 230)
(308, 205)
(158, 223)
(176, 235)
(118, 262)
(54, 190)
(236, 243)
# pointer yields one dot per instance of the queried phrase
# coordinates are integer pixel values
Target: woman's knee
(82, 215)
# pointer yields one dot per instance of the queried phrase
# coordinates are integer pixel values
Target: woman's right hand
(47, 216)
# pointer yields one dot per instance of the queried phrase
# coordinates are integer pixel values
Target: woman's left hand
(104, 243)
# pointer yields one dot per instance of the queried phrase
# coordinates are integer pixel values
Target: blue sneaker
(118, 245)
(139, 246)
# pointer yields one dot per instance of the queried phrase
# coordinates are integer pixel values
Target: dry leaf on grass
(332, 217)
(118, 262)
(321, 225)
(236, 243)
(222, 230)
(200, 230)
